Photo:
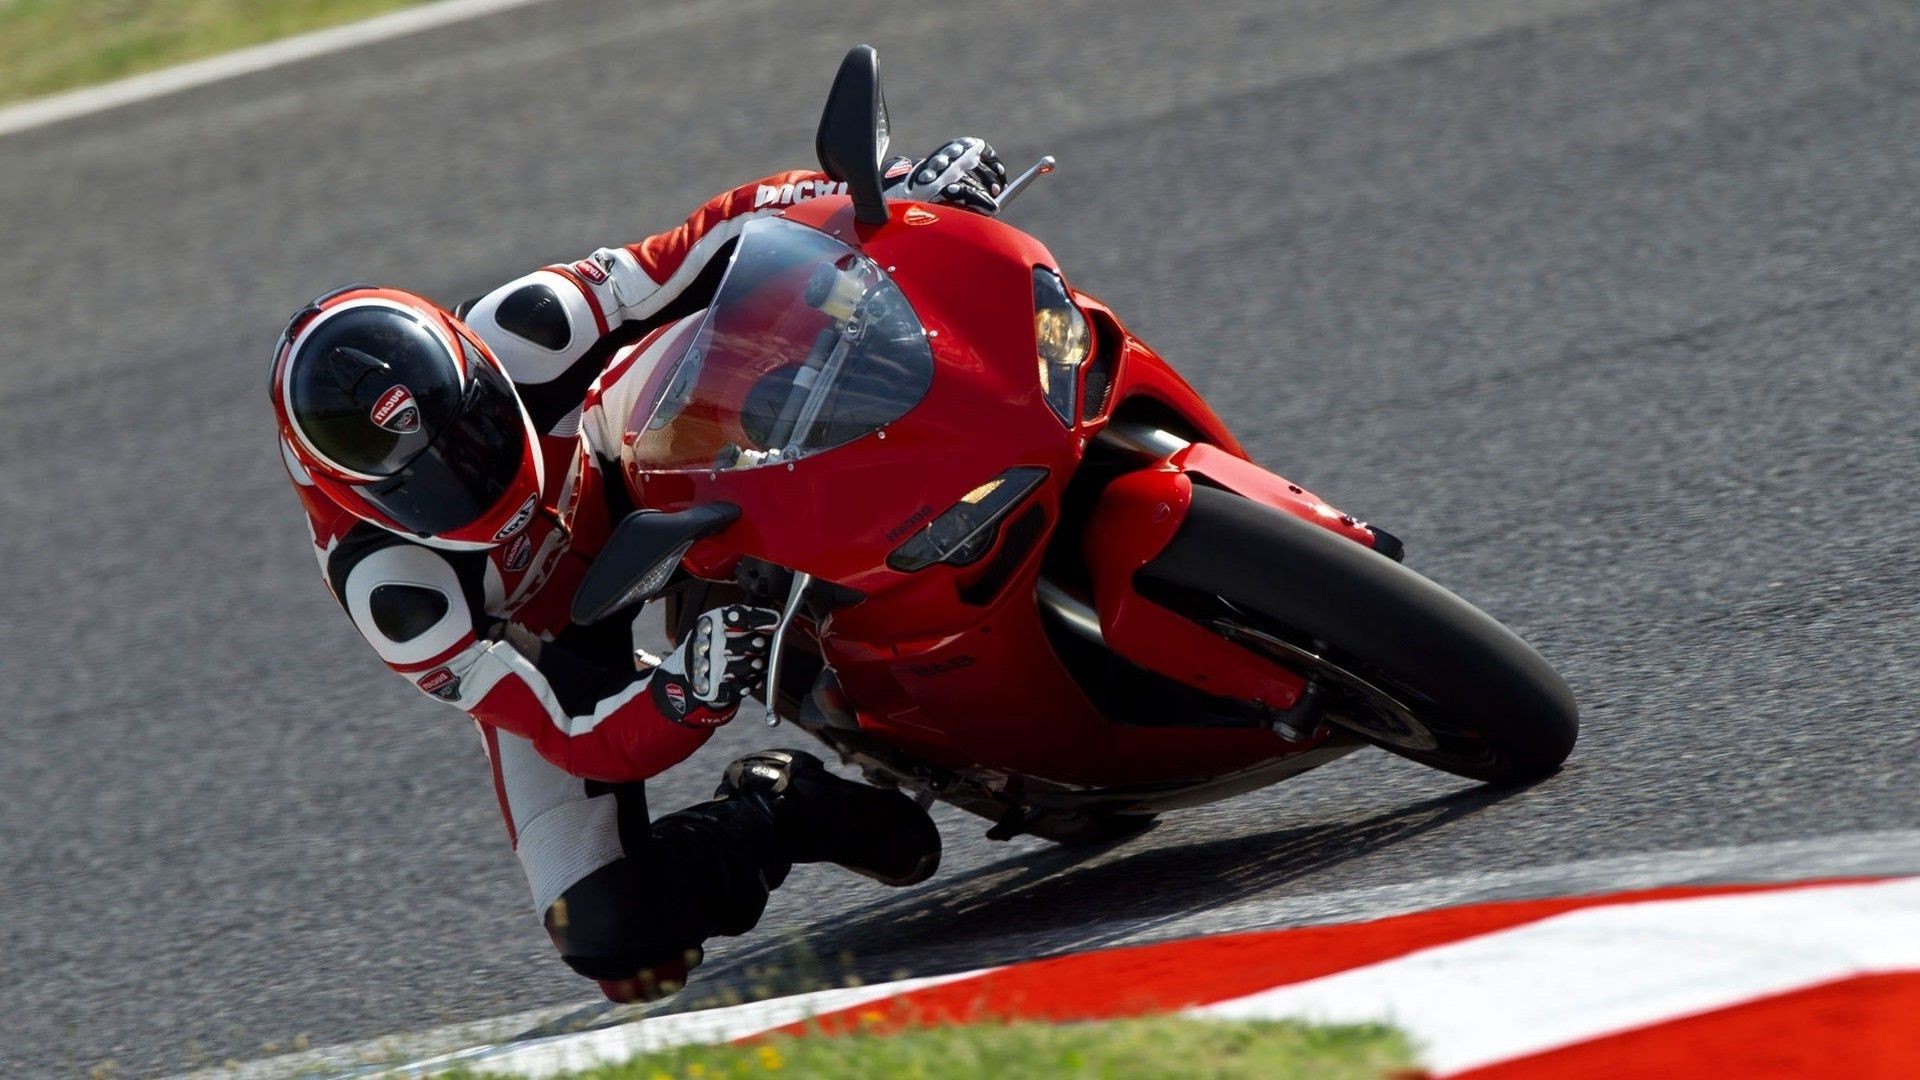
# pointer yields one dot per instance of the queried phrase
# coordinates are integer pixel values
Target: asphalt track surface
(1609, 308)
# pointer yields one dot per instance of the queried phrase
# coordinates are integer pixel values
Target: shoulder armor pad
(404, 612)
(412, 603)
(534, 312)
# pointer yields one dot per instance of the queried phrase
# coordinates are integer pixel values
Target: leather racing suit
(569, 726)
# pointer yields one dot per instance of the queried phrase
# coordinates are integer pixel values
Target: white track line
(1860, 854)
(52, 110)
(1599, 971)
(563, 1054)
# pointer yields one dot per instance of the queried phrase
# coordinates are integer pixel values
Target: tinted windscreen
(807, 345)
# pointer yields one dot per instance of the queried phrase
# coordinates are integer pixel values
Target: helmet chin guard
(406, 419)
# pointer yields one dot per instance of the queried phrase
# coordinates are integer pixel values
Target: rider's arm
(542, 324)
(671, 261)
(425, 618)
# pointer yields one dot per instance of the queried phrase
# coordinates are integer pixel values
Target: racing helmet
(404, 418)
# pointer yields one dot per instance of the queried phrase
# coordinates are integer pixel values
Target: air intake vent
(1109, 341)
(1099, 385)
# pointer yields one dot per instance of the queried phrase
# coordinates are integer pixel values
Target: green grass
(1130, 1049)
(54, 45)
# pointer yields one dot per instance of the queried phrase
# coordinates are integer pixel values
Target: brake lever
(1019, 183)
(797, 593)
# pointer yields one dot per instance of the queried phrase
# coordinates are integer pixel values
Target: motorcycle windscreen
(807, 345)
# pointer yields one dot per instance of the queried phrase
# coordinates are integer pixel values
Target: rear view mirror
(853, 137)
(641, 556)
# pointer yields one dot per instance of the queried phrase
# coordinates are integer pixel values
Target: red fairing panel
(1137, 517)
(1243, 477)
(1143, 374)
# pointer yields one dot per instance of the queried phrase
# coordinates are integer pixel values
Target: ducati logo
(788, 194)
(676, 697)
(518, 554)
(592, 270)
(519, 519)
(441, 683)
(396, 411)
(919, 216)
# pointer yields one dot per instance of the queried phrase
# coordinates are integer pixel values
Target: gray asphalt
(1609, 308)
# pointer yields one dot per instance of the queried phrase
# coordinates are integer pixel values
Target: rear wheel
(1392, 657)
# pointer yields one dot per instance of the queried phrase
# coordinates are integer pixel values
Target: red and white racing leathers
(565, 716)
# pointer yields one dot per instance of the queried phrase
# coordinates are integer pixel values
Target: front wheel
(1392, 657)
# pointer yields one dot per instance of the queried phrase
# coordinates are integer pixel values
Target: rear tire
(1402, 662)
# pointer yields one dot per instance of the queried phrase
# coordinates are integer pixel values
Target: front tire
(1398, 660)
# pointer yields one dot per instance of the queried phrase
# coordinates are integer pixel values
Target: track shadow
(1060, 900)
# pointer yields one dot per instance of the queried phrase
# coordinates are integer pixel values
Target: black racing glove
(965, 173)
(723, 659)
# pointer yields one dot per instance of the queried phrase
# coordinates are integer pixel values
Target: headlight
(1061, 338)
(965, 532)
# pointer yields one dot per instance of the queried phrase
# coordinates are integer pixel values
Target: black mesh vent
(1099, 385)
(1109, 341)
(1020, 538)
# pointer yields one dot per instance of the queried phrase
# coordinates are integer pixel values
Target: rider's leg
(636, 925)
(629, 902)
(820, 817)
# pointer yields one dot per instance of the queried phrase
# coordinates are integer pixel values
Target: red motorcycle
(1022, 566)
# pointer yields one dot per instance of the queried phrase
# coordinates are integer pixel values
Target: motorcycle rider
(458, 473)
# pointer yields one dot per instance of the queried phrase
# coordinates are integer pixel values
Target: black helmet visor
(373, 387)
(467, 467)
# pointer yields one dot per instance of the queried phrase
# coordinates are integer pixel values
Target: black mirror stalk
(641, 555)
(853, 135)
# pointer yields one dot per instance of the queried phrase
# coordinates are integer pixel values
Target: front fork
(1137, 516)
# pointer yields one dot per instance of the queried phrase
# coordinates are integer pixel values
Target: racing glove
(965, 172)
(723, 659)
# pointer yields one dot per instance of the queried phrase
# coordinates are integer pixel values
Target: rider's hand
(964, 172)
(722, 660)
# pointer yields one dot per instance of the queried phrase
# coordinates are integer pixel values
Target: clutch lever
(795, 595)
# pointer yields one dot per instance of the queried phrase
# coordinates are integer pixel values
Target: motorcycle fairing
(1137, 517)
(978, 688)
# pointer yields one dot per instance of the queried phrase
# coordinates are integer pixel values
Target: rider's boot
(820, 817)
